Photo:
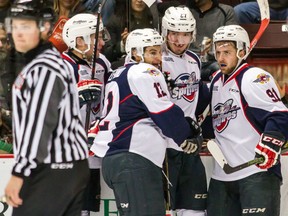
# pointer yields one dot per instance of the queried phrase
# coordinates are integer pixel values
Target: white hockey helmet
(233, 33)
(81, 25)
(178, 19)
(141, 38)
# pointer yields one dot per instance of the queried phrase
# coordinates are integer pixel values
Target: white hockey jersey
(243, 106)
(138, 115)
(185, 71)
(83, 71)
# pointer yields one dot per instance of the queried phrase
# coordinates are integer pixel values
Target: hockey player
(51, 170)
(138, 116)
(249, 121)
(186, 171)
(79, 36)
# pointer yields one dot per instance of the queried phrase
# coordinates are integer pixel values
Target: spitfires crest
(186, 86)
(223, 113)
(152, 72)
(262, 78)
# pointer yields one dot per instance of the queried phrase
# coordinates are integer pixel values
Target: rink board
(108, 207)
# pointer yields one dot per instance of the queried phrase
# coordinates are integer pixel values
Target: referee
(51, 169)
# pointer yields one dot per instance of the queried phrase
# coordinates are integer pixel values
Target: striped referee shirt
(46, 117)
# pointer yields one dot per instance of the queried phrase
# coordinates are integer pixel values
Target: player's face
(178, 41)
(226, 56)
(100, 45)
(153, 56)
(25, 34)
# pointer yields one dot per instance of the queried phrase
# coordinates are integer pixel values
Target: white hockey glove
(193, 144)
(89, 91)
(269, 147)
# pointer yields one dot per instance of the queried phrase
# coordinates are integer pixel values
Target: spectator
(4, 9)
(79, 34)
(106, 10)
(123, 21)
(5, 113)
(248, 12)
(209, 15)
(163, 5)
(64, 10)
(4, 49)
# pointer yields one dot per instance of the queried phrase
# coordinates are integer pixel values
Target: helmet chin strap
(239, 61)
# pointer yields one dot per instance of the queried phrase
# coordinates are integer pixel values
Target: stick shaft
(265, 19)
(228, 169)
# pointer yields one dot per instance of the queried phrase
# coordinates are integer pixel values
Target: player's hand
(89, 91)
(170, 82)
(92, 132)
(269, 147)
(193, 145)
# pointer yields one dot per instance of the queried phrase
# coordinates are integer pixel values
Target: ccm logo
(253, 210)
(273, 140)
(124, 205)
(62, 165)
(200, 196)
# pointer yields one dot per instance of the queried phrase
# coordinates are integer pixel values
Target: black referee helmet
(38, 10)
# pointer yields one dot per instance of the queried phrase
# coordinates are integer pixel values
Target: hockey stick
(228, 169)
(202, 117)
(88, 109)
(265, 19)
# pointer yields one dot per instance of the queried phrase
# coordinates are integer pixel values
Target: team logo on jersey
(19, 81)
(223, 113)
(152, 72)
(262, 78)
(83, 72)
(186, 87)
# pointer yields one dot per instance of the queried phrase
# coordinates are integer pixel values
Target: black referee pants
(54, 190)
